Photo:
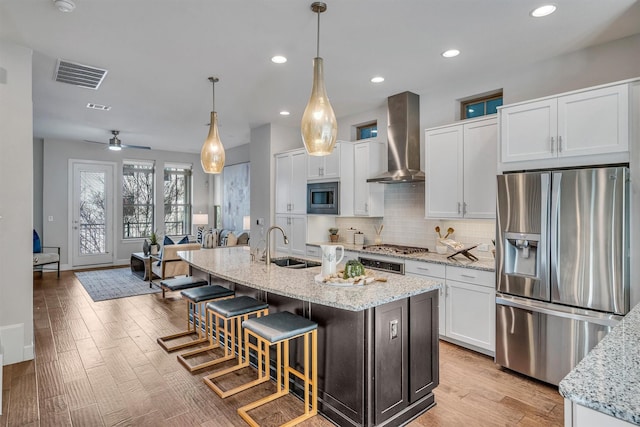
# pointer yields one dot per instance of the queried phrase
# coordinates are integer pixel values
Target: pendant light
(212, 154)
(319, 126)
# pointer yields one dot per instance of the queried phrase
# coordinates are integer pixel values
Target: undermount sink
(289, 262)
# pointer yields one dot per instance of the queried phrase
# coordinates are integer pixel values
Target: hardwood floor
(99, 364)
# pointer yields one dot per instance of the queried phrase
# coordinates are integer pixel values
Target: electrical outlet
(393, 329)
(50, 218)
(260, 221)
(483, 247)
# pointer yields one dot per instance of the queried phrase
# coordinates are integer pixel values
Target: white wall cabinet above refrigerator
(461, 170)
(576, 129)
(291, 182)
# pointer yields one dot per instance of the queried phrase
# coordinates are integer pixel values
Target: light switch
(50, 218)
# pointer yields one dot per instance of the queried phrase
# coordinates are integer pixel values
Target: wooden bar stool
(227, 317)
(279, 329)
(196, 299)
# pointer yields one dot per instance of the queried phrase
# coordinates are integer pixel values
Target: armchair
(42, 258)
(171, 264)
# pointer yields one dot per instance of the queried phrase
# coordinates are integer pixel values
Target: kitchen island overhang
(378, 343)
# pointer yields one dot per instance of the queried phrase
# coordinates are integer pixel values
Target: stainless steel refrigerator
(562, 277)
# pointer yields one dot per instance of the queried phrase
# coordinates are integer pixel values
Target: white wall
(266, 141)
(16, 194)
(55, 187)
(38, 159)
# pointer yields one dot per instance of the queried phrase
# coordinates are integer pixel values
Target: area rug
(103, 285)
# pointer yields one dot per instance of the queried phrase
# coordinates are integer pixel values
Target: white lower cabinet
(295, 227)
(576, 415)
(466, 305)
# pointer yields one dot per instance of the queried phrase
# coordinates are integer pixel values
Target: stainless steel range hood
(403, 146)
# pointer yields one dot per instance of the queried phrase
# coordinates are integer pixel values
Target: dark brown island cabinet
(376, 367)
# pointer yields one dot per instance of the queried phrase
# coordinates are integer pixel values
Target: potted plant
(154, 246)
(333, 234)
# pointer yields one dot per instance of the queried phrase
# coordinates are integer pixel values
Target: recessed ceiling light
(541, 11)
(451, 53)
(65, 6)
(284, 113)
(279, 59)
(377, 79)
(93, 106)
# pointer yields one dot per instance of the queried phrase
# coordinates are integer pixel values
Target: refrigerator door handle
(559, 311)
(555, 230)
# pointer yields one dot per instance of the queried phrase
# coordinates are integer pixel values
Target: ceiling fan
(116, 144)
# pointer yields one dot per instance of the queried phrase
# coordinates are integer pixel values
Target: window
(481, 106)
(177, 199)
(137, 199)
(369, 130)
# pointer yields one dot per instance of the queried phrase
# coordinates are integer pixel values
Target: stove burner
(395, 249)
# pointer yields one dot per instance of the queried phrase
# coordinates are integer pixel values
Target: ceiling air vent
(78, 74)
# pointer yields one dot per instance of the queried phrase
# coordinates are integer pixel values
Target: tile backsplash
(404, 222)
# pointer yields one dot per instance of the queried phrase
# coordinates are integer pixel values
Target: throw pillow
(37, 246)
(200, 231)
(210, 239)
(167, 241)
(184, 240)
(232, 240)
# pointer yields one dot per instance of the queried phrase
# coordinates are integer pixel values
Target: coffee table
(141, 265)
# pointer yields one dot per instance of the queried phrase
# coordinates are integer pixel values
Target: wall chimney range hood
(403, 146)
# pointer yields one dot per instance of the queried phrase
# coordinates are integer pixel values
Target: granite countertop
(235, 264)
(485, 264)
(608, 378)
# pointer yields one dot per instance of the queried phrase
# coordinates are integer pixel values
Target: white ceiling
(159, 54)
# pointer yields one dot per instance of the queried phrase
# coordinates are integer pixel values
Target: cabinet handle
(446, 290)
(468, 275)
(559, 144)
(366, 207)
(458, 207)
(424, 268)
(321, 171)
(464, 208)
(552, 141)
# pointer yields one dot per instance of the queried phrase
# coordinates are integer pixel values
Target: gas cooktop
(395, 249)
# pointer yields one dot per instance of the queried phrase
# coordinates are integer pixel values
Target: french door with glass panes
(91, 213)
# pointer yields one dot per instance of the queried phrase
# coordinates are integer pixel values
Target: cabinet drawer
(425, 268)
(313, 251)
(470, 275)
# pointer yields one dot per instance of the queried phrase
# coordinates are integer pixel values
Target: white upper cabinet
(570, 130)
(480, 168)
(324, 167)
(461, 170)
(369, 161)
(291, 182)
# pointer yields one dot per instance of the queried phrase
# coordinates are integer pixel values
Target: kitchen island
(377, 344)
(604, 388)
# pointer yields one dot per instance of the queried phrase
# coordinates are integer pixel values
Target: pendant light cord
(213, 98)
(318, 37)
(213, 81)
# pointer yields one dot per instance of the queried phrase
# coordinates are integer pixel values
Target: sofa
(214, 237)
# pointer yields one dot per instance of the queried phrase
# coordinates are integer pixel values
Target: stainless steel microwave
(323, 198)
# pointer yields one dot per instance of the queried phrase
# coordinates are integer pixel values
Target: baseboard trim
(13, 347)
